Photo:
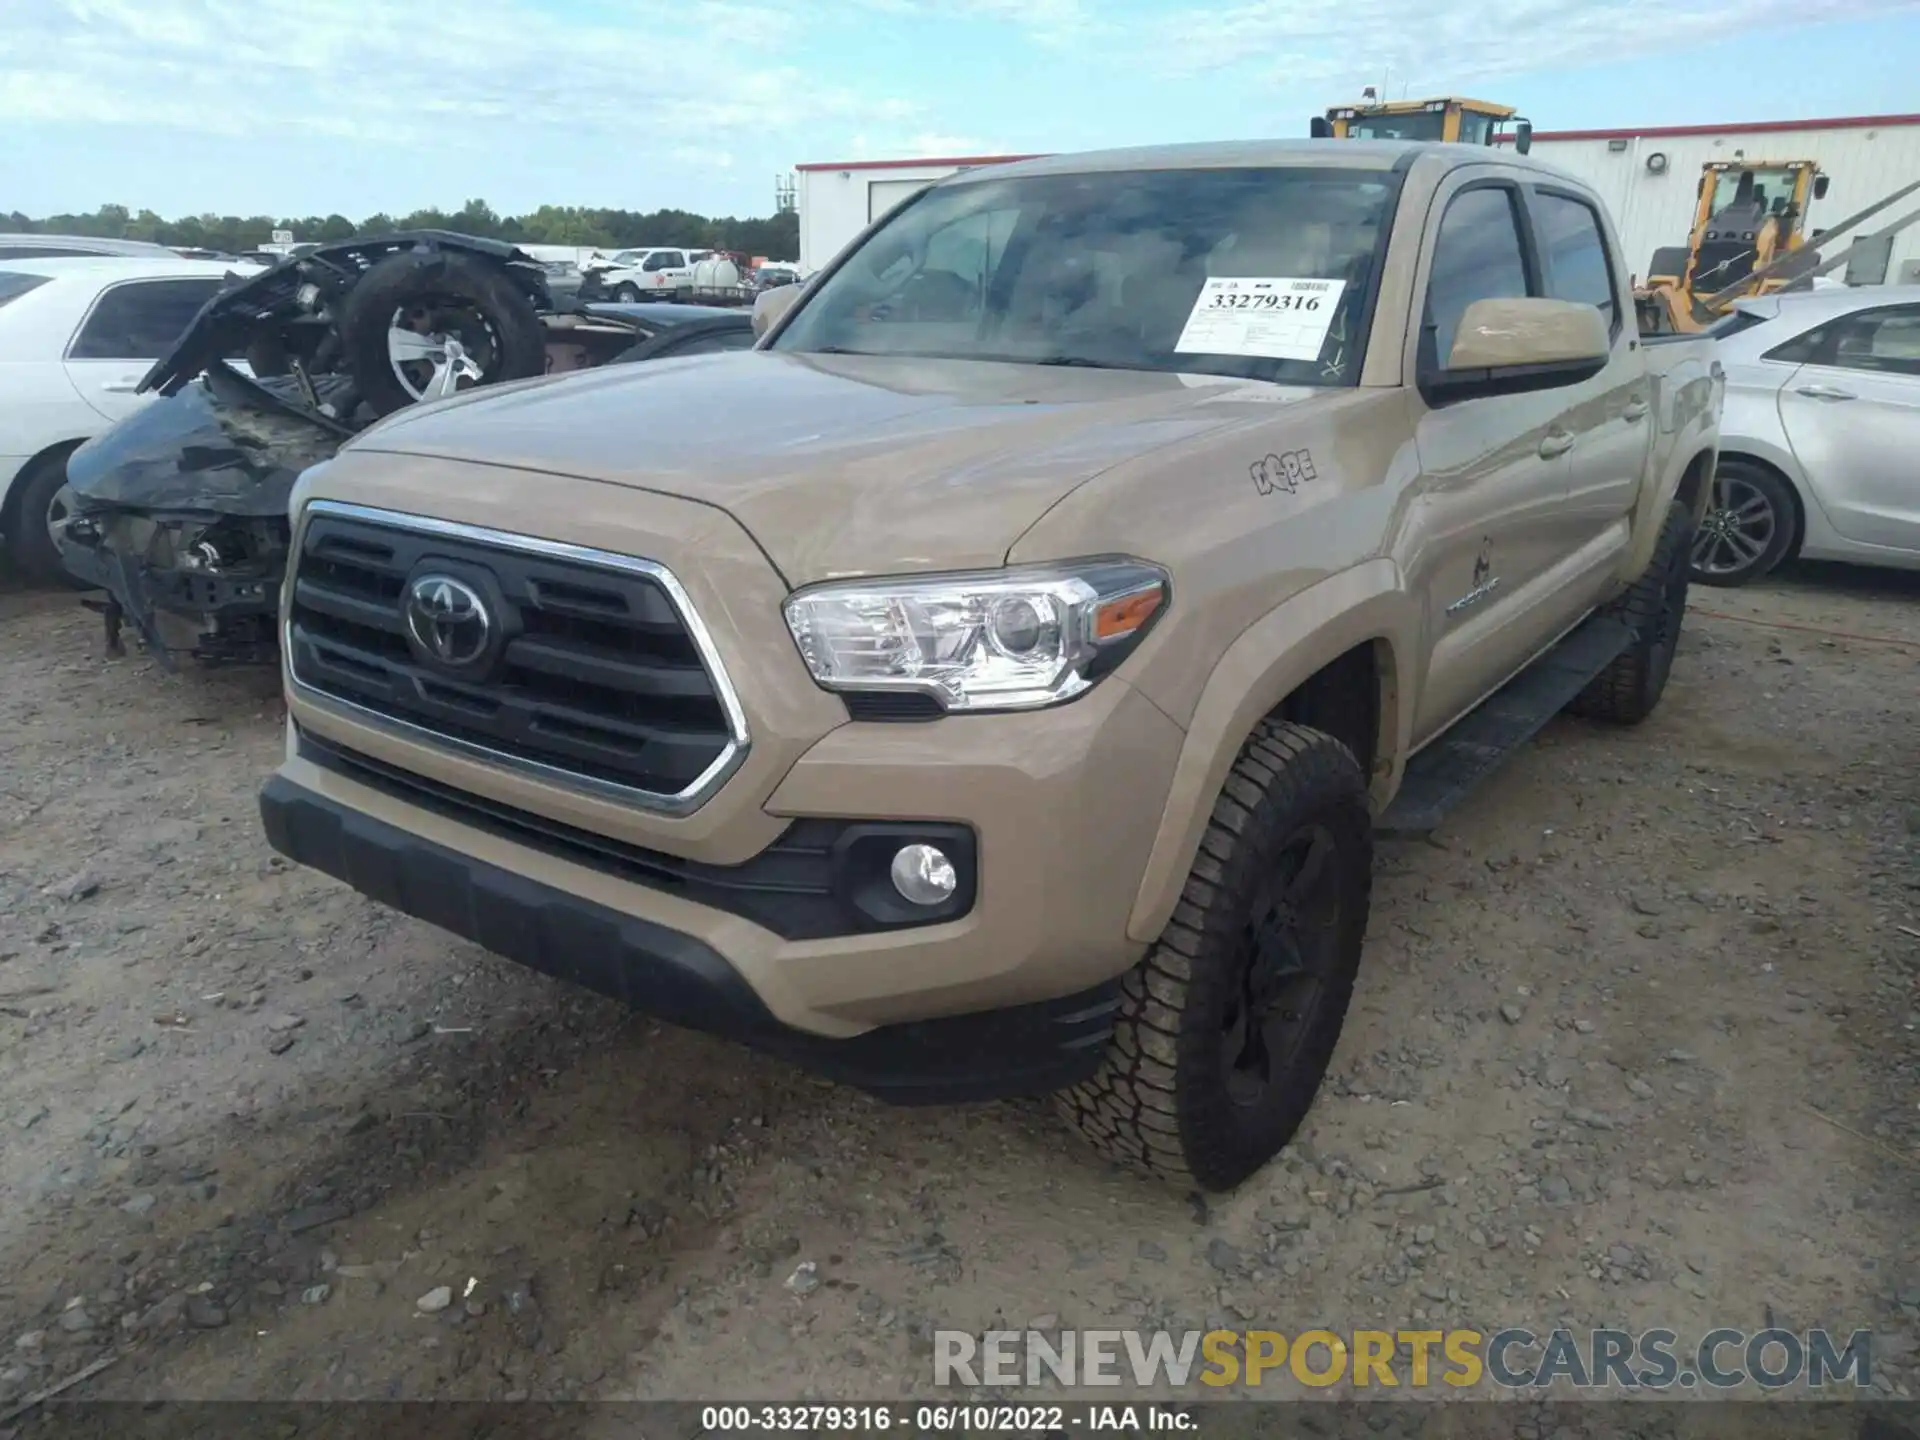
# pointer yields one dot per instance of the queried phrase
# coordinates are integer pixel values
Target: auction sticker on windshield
(1275, 319)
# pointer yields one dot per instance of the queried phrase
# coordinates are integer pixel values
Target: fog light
(923, 874)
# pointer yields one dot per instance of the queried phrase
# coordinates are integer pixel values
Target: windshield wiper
(1081, 362)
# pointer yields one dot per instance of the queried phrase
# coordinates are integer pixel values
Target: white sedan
(1820, 434)
(76, 337)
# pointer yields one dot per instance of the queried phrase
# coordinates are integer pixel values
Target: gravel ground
(1635, 1043)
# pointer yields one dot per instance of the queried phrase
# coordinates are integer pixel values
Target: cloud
(469, 75)
(1433, 49)
(926, 144)
(588, 94)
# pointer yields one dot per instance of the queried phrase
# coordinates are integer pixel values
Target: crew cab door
(128, 327)
(1486, 547)
(1852, 415)
(666, 270)
(1610, 416)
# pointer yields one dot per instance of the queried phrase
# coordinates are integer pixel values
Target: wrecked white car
(179, 511)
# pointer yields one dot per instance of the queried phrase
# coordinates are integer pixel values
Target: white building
(1648, 177)
(837, 199)
(1652, 199)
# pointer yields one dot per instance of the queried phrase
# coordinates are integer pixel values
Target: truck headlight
(990, 640)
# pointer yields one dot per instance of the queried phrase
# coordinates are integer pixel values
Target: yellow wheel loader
(1749, 237)
(1450, 118)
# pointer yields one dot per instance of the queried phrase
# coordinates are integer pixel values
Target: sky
(298, 107)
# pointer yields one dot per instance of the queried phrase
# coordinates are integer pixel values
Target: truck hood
(838, 465)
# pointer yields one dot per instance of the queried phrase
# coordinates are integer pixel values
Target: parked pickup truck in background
(1116, 542)
(645, 274)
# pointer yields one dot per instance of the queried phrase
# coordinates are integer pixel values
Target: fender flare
(1681, 439)
(1271, 659)
(1657, 495)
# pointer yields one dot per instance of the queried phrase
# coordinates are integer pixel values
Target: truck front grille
(575, 664)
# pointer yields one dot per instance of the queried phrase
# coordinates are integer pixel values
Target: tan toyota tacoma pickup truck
(993, 682)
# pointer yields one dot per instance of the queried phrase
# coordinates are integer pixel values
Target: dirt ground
(1636, 1043)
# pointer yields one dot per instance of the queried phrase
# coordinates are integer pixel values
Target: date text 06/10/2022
(943, 1418)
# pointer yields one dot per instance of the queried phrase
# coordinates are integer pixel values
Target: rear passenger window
(1575, 250)
(1476, 257)
(1802, 348)
(1884, 340)
(13, 284)
(141, 319)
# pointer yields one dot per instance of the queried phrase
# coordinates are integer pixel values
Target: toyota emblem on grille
(448, 619)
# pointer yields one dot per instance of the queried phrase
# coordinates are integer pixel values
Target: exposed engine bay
(179, 512)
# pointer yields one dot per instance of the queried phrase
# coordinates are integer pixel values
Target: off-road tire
(401, 280)
(29, 545)
(1655, 606)
(1773, 488)
(1160, 1101)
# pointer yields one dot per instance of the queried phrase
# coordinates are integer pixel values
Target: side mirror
(1522, 136)
(1320, 128)
(770, 305)
(1509, 346)
(1820, 183)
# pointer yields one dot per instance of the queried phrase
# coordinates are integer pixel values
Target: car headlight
(991, 640)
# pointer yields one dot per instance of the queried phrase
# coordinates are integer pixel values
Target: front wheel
(1654, 606)
(627, 294)
(1228, 1025)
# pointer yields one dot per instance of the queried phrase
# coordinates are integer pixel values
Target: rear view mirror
(1507, 346)
(1320, 128)
(1522, 137)
(770, 305)
(1820, 183)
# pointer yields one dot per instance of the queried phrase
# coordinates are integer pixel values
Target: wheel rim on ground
(1286, 952)
(59, 510)
(1738, 528)
(440, 344)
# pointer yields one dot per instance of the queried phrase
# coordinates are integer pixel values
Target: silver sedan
(1820, 444)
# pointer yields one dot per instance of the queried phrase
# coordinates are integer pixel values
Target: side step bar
(1443, 774)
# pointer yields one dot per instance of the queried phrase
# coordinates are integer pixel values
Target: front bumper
(676, 976)
(1061, 806)
(228, 615)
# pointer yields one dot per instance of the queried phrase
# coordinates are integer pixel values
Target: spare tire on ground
(438, 295)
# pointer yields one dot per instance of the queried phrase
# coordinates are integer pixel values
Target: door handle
(1636, 410)
(1556, 443)
(1825, 392)
(122, 387)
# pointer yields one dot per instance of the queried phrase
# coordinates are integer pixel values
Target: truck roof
(1229, 154)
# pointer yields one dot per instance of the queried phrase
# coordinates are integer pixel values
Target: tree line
(777, 236)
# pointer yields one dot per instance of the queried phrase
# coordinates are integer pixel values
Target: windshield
(1769, 191)
(1260, 273)
(1414, 125)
